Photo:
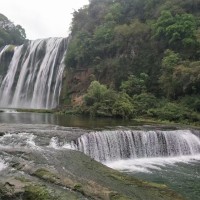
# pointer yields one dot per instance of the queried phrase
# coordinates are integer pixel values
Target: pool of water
(11, 116)
(182, 174)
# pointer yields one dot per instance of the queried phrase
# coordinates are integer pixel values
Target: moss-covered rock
(33, 192)
(47, 175)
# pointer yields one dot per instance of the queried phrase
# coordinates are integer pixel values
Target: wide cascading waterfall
(34, 75)
(124, 144)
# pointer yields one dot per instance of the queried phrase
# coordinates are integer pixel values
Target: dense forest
(144, 56)
(9, 33)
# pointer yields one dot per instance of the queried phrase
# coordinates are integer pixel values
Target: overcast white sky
(41, 18)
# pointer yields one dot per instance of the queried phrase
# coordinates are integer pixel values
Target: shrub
(144, 102)
(174, 112)
(95, 93)
(192, 102)
(123, 107)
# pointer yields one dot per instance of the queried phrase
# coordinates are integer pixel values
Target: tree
(169, 62)
(123, 107)
(135, 85)
(95, 93)
(177, 31)
(179, 78)
(186, 80)
(9, 33)
(129, 37)
(143, 102)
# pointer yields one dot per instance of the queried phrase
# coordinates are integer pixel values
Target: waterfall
(2, 53)
(4, 49)
(34, 75)
(124, 144)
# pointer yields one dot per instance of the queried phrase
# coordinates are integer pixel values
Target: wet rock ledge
(44, 173)
(71, 175)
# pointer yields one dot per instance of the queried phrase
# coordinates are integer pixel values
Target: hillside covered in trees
(143, 57)
(9, 33)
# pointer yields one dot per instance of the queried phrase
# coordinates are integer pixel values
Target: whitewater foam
(147, 165)
(8, 110)
(54, 143)
(3, 165)
(18, 140)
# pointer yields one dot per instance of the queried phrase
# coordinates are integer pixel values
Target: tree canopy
(9, 33)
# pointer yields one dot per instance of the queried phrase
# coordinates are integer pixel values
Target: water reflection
(26, 118)
(62, 120)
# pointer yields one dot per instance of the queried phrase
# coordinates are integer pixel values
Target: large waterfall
(34, 75)
(124, 144)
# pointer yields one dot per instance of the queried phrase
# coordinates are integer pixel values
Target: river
(176, 164)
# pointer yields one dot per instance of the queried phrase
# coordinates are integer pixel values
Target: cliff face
(74, 85)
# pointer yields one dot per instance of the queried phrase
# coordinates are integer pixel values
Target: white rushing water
(54, 143)
(146, 165)
(140, 151)
(8, 110)
(128, 144)
(18, 140)
(2, 165)
(34, 75)
(3, 51)
(124, 150)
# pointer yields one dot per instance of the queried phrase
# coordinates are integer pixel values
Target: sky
(41, 18)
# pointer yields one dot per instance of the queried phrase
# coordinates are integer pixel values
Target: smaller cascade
(116, 145)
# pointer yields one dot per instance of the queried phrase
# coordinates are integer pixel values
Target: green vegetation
(176, 31)
(34, 110)
(144, 56)
(33, 192)
(9, 33)
(46, 175)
